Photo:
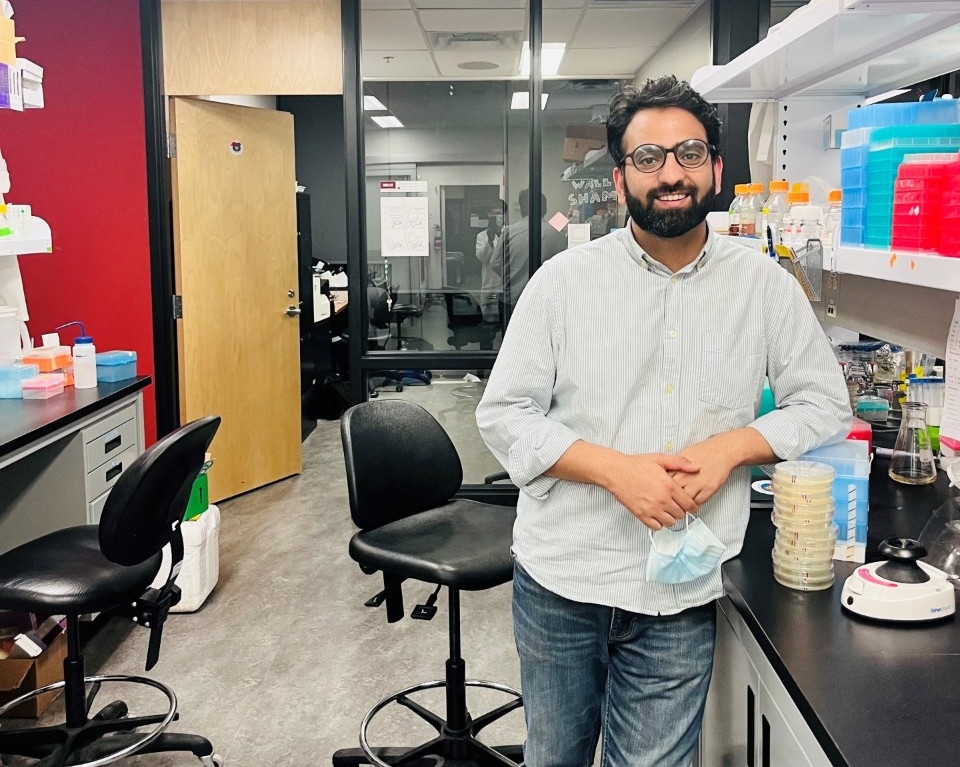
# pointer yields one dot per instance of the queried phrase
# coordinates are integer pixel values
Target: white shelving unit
(924, 270)
(831, 56)
(35, 238)
(853, 48)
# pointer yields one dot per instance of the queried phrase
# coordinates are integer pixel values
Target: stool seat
(66, 573)
(463, 544)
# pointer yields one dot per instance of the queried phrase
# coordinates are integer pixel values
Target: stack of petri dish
(806, 533)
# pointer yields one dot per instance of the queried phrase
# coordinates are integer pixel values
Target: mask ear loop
(686, 524)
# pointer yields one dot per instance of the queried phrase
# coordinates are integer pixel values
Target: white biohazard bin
(201, 561)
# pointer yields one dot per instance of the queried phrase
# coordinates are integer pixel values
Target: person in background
(490, 284)
(511, 261)
(623, 405)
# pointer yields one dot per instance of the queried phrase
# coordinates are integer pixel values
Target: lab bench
(59, 457)
(797, 681)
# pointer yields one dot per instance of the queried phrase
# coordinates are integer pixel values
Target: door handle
(292, 311)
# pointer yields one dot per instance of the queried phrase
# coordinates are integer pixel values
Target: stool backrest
(149, 499)
(399, 461)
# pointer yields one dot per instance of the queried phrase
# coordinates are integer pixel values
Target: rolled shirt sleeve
(513, 412)
(805, 377)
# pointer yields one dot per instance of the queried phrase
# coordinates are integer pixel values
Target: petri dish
(802, 585)
(812, 559)
(809, 474)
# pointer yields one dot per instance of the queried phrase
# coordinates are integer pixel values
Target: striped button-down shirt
(608, 346)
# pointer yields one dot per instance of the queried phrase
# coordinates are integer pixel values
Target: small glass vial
(912, 460)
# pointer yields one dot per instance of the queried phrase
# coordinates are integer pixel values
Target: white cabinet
(825, 58)
(750, 719)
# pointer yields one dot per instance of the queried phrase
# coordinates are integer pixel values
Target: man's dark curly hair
(662, 93)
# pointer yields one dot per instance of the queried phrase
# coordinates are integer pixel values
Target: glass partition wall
(455, 167)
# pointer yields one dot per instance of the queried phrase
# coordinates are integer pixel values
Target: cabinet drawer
(95, 509)
(109, 443)
(102, 478)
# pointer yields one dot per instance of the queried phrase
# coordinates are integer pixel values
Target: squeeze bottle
(84, 359)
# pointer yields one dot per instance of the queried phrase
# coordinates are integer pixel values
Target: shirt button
(672, 334)
(669, 388)
(674, 279)
(669, 447)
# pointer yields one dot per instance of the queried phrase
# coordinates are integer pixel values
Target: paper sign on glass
(403, 227)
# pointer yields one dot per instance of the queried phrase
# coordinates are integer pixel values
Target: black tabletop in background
(873, 693)
(25, 421)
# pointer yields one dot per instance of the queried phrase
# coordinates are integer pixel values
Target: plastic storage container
(888, 149)
(12, 377)
(850, 460)
(48, 358)
(116, 366)
(832, 218)
(201, 561)
(43, 386)
(905, 113)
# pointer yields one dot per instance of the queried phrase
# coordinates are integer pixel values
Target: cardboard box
(581, 139)
(7, 28)
(21, 676)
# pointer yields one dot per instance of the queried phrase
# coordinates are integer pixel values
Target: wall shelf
(855, 48)
(925, 270)
(35, 238)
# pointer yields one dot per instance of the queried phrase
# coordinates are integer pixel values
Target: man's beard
(670, 222)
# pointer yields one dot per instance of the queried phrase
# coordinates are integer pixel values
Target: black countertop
(23, 421)
(873, 693)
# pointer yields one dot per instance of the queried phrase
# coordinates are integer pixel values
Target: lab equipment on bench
(900, 589)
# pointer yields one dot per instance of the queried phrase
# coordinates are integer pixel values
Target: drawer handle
(764, 742)
(113, 444)
(114, 470)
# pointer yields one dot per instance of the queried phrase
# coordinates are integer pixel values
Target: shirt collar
(646, 261)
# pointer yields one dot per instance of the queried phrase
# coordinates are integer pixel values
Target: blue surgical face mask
(679, 556)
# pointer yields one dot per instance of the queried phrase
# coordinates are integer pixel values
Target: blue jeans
(637, 683)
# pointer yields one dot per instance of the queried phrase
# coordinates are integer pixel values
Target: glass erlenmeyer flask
(912, 460)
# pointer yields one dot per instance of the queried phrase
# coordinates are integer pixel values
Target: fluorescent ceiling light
(550, 56)
(387, 121)
(521, 100)
(373, 104)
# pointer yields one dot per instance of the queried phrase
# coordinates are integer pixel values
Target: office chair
(94, 568)
(402, 474)
(465, 321)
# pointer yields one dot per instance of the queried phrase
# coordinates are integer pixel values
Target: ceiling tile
(385, 5)
(606, 28)
(473, 21)
(459, 5)
(405, 65)
(393, 30)
(508, 61)
(604, 62)
(559, 26)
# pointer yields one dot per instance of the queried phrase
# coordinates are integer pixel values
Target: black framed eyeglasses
(690, 154)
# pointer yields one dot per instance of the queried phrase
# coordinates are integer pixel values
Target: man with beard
(623, 400)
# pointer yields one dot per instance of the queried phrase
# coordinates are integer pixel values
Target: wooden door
(235, 242)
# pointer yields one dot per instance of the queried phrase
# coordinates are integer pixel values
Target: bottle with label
(802, 221)
(84, 359)
(751, 212)
(831, 219)
(740, 192)
(776, 208)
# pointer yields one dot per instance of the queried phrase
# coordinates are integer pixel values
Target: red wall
(81, 163)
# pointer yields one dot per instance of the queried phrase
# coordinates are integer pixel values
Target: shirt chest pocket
(730, 369)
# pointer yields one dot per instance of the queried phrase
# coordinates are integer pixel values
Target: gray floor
(281, 663)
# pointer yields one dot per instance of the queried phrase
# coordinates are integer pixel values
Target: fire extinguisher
(437, 240)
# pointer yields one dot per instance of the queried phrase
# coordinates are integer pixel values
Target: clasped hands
(659, 489)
